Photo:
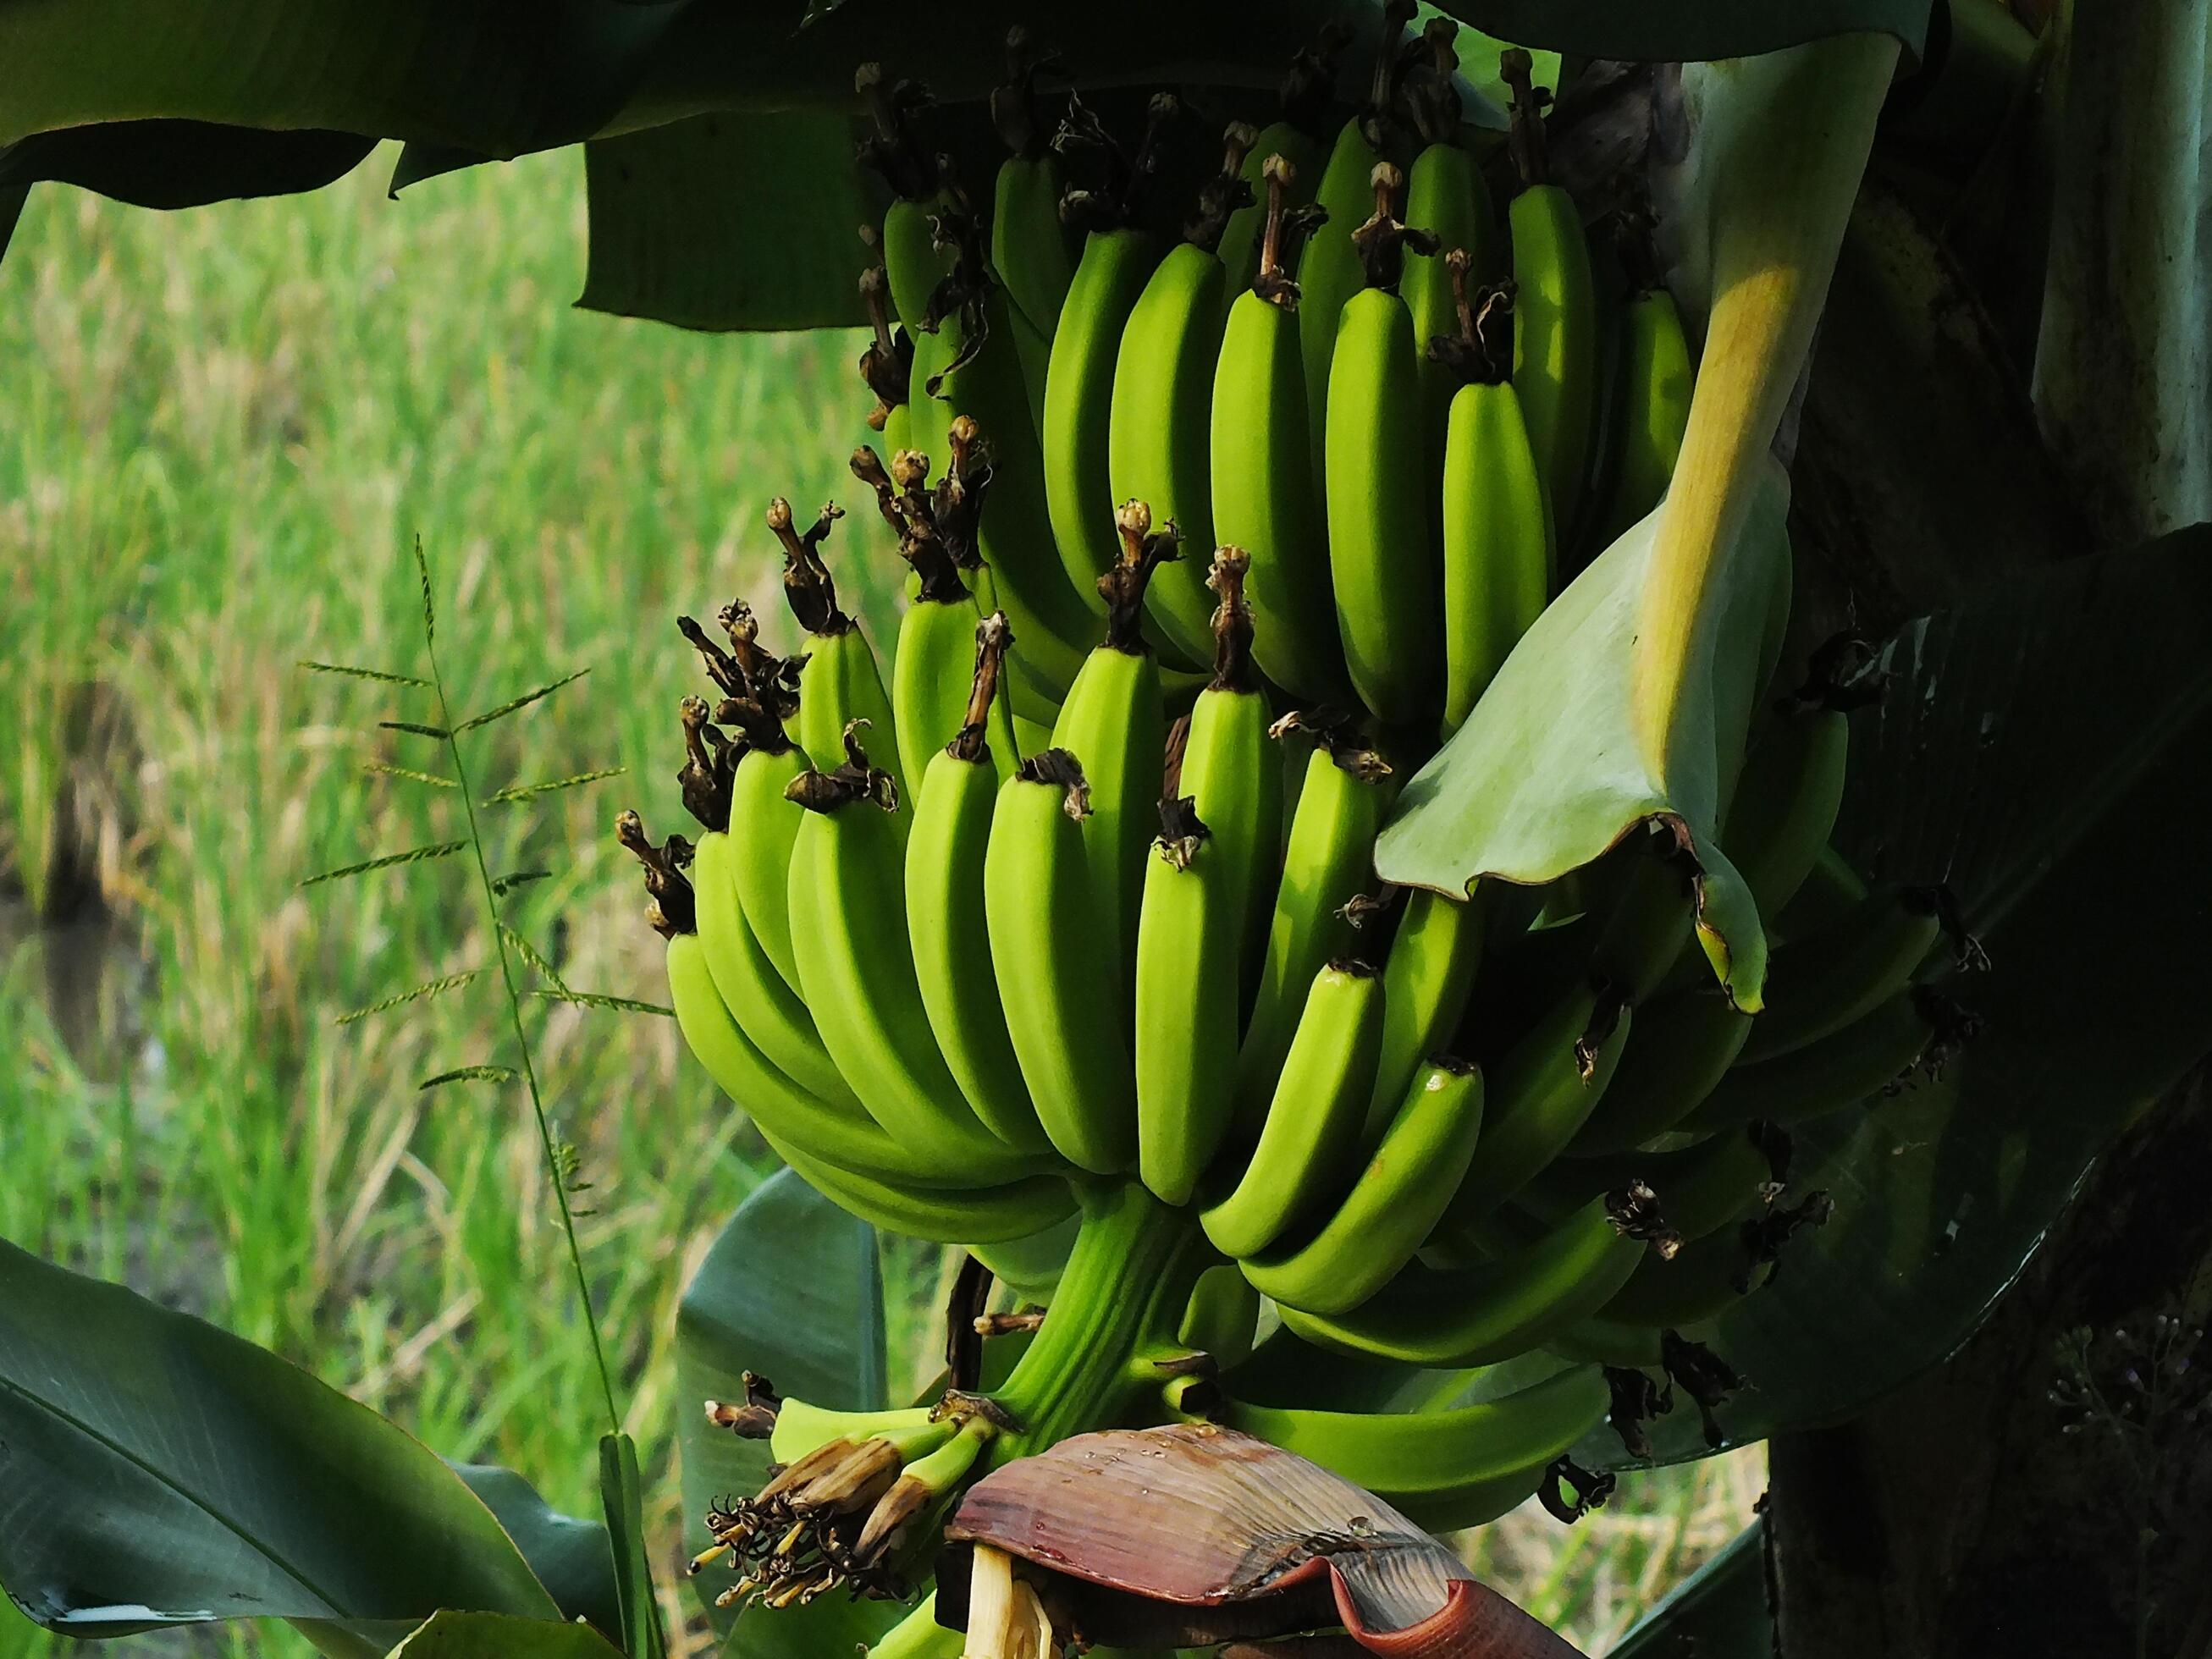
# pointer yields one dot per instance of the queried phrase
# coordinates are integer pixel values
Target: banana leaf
(2042, 751)
(1719, 1612)
(572, 1558)
(163, 1472)
(499, 1636)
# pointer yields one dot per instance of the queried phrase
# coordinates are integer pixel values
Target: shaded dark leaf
(1670, 30)
(176, 164)
(1719, 1612)
(502, 1636)
(570, 1556)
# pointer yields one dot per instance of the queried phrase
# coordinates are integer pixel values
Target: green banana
(1555, 335)
(1113, 722)
(1700, 1186)
(1195, 923)
(1786, 801)
(1382, 564)
(1704, 1279)
(1029, 242)
(919, 1636)
(839, 682)
(1065, 1006)
(1391, 1208)
(1442, 1468)
(945, 917)
(914, 260)
(1264, 498)
(1158, 440)
(1831, 889)
(1223, 1314)
(1314, 1121)
(1118, 258)
(1445, 196)
(1329, 862)
(856, 969)
(1294, 134)
(968, 1215)
(1330, 272)
(1229, 767)
(1478, 1314)
(1849, 1065)
(977, 380)
(1826, 979)
(1427, 979)
(1500, 563)
(1651, 408)
(801, 1428)
(1682, 1046)
(1539, 1094)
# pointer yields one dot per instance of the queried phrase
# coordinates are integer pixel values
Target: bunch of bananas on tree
(1056, 935)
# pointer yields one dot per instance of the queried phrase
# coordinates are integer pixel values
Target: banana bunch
(1069, 910)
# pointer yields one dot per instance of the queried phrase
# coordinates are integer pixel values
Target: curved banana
(1330, 271)
(946, 926)
(856, 970)
(1117, 260)
(1479, 1314)
(1843, 1069)
(1113, 724)
(1159, 432)
(1065, 1006)
(800, 1428)
(1314, 1121)
(1383, 565)
(1329, 861)
(1029, 242)
(1555, 334)
(968, 1215)
(1444, 1467)
(1393, 1206)
(1785, 802)
(1704, 1279)
(1193, 925)
(1827, 979)
(933, 665)
(1682, 1046)
(1500, 564)
(979, 387)
(1427, 979)
(1698, 1187)
(763, 825)
(1445, 196)
(1651, 408)
(1539, 1096)
(1264, 495)
(839, 683)
(1223, 1314)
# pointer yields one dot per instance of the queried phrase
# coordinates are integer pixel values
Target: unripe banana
(1159, 434)
(945, 912)
(1703, 1281)
(886, 364)
(1329, 862)
(1427, 981)
(1382, 564)
(1682, 1046)
(1445, 196)
(912, 257)
(1497, 1309)
(1223, 1314)
(1113, 722)
(1831, 891)
(1441, 1467)
(1555, 335)
(1651, 408)
(1500, 563)
(1297, 135)
(1826, 979)
(1393, 1205)
(1330, 272)
(1314, 1121)
(1194, 925)
(763, 825)
(1264, 496)
(1066, 1009)
(1698, 1187)
(1845, 1068)
(967, 1215)
(839, 684)
(1539, 1096)
(1786, 801)
(856, 969)
(1029, 242)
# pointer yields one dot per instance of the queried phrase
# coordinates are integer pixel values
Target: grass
(222, 430)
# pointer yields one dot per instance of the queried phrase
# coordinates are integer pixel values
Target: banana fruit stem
(1121, 1299)
(1777, 220)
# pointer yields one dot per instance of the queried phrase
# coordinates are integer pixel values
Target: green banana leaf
(175, 164)
(790, 1290)
(621, 1495)
(1682, 30)
(162, 1472)
(572, 1558)
(1719, 1612)
(2043, 751)
(501, 1635)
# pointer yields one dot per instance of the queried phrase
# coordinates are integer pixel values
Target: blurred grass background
(222, 430)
